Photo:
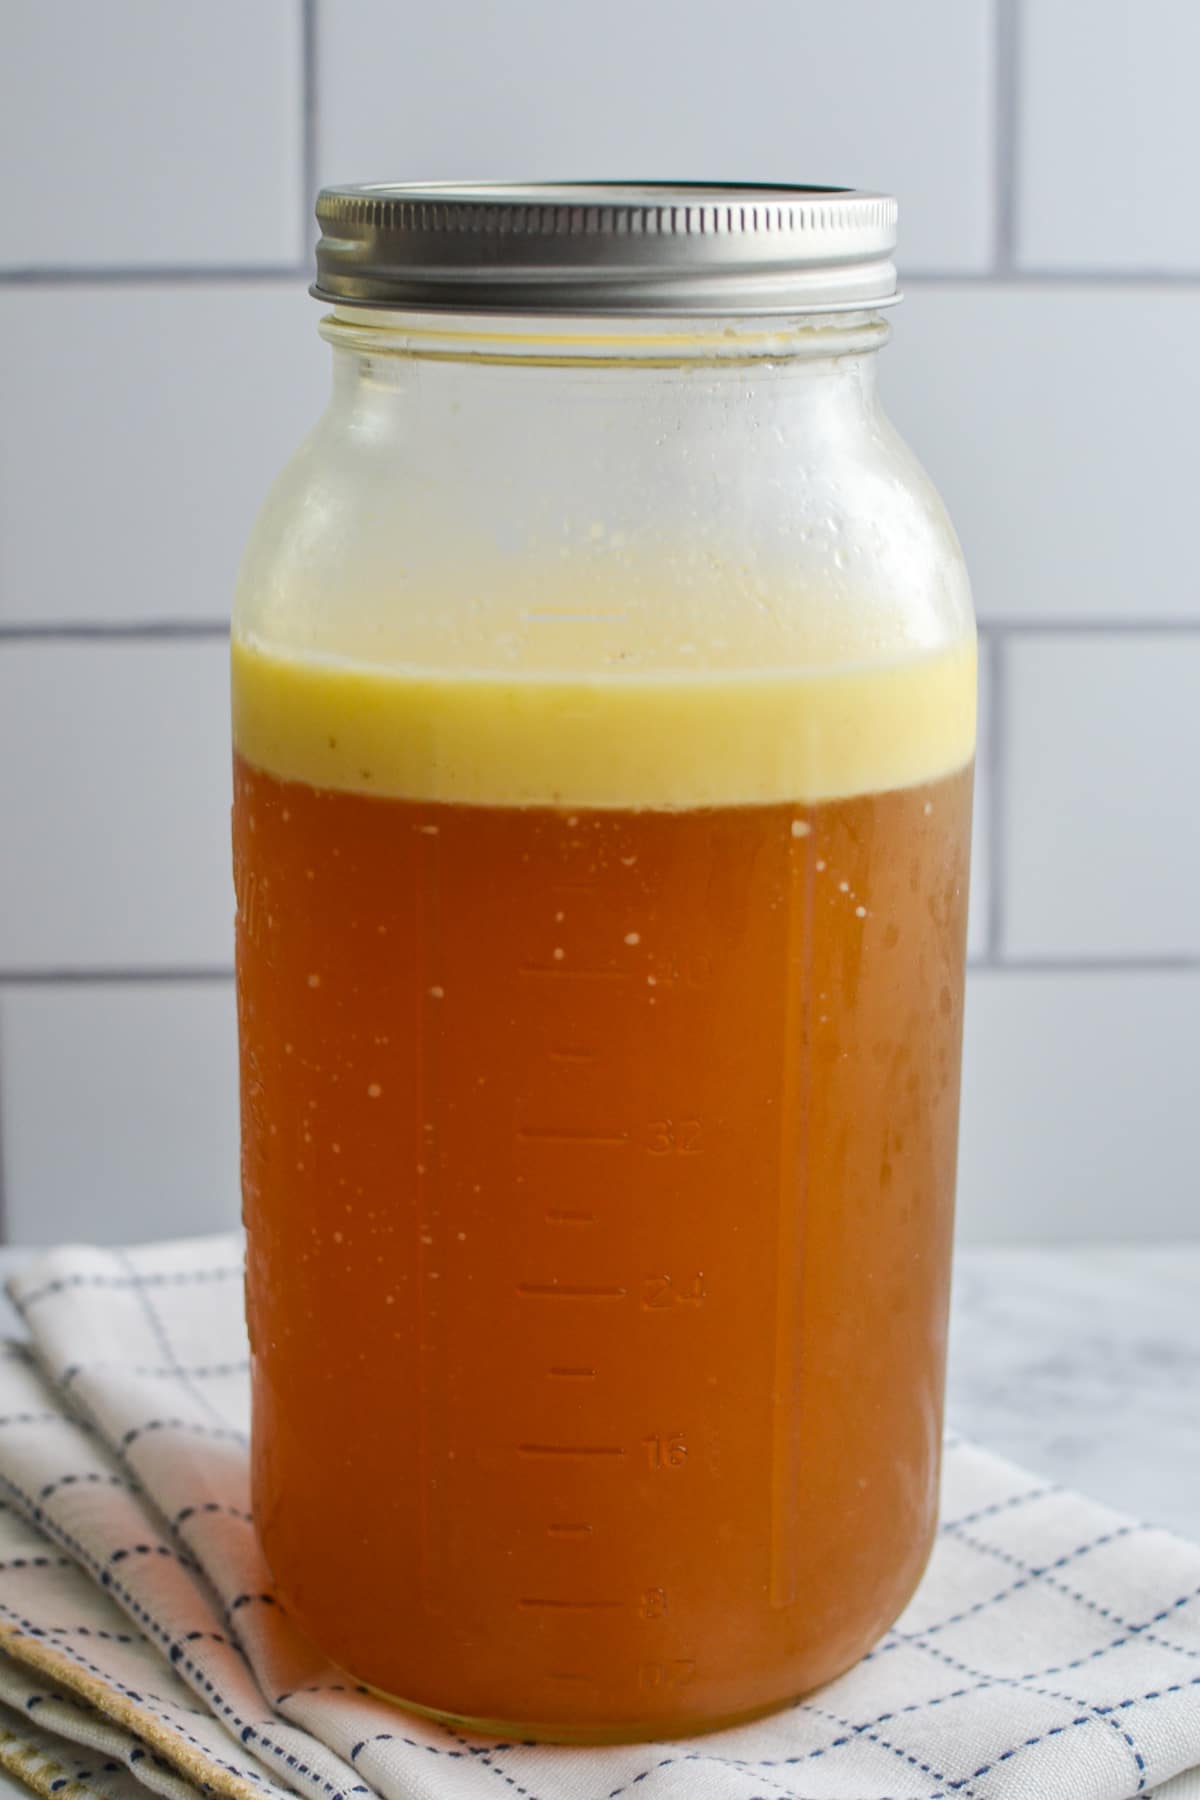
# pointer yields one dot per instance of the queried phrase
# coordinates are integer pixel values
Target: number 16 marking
(665, 1452)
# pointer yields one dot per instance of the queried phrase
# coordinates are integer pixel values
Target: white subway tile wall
(1055, 419)
(1079, 1103)
(683, 89)
(1110, 128)
(115, 784)
(160, 360)
(1100, 803)
(142, 426)
(120, 1110)
(138, 135)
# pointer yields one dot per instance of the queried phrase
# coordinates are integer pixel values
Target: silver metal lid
(606, 247)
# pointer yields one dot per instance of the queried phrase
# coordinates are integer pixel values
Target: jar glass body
(604, 717)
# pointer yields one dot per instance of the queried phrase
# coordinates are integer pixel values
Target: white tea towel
(1052, 1652)
(55, 1764)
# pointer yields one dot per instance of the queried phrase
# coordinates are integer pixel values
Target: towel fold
(1051, 1653)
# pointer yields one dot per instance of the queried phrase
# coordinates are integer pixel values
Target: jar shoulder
(586, 547)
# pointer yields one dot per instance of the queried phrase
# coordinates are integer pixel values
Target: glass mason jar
(604, 709)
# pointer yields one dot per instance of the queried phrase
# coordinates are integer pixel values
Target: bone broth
(600, 1056)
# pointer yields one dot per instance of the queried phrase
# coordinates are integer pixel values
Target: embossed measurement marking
(531, 1605)
(557, 1134)
(555, 1290)
(538, 1450)
(558, 1116)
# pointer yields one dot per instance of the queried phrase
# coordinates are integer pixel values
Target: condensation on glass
(604, 710)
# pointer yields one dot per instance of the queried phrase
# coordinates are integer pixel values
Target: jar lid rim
(699, 248)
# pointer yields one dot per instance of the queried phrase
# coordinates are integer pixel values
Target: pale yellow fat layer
(652, 740)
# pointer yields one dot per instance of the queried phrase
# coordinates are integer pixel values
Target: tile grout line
(1166, 962)
(1006, 280)
(1094, 625)
(152, 274)
(308, 126)
(155, 630)
(115, 977)
(147, 631)
(1005, 101)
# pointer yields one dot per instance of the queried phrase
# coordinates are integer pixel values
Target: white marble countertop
(1081, 1363)
(1084, 1364)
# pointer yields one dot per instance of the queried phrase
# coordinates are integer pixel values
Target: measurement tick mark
(561, 1374)
(572, 1056)
(570, 1605)
(568, 1530)
(570, 1218)
(552, 1134)
(538, 1450)
(579, 1680)
(552, 1290)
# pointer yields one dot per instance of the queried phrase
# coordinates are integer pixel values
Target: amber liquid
(598, 1173)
